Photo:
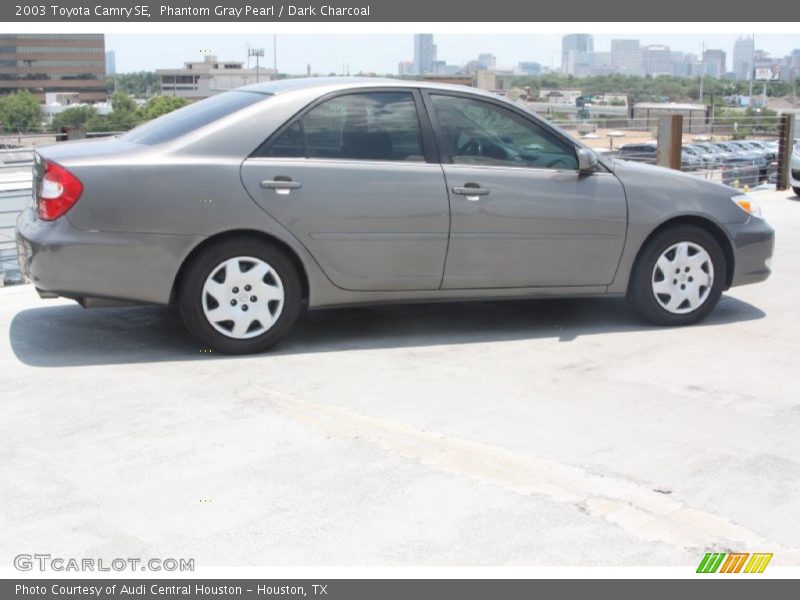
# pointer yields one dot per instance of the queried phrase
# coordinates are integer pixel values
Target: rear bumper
(64, 261)
(753, 243)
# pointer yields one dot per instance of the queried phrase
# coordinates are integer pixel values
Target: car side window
(289, 144)
(361, 126)
(483, 133)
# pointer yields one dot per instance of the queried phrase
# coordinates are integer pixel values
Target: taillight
(58, 192)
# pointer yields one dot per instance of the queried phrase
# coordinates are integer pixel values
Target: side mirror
(587, 161)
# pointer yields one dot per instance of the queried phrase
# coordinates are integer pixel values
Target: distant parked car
(707, 159)
(794, 170)
(720, 155)
(244, 209)
(770, 148)
(644, 153)
(648, 153)
(758, 160)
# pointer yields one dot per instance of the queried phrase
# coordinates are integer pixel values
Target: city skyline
(381, 53)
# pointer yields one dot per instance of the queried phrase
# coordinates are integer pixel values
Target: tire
(699, 259)
(212, 289)
(796, 191)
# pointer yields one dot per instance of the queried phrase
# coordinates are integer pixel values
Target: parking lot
(558, 432)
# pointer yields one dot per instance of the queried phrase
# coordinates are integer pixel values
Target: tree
(20, 112)
(139, 85)
(75, 116)
(124, 115)
(123, 103)
(161, 105)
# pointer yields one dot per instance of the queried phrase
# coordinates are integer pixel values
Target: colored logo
(734, 562)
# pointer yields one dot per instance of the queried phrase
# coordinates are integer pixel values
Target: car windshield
(180, 122)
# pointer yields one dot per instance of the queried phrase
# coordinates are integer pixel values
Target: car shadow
(66, 335)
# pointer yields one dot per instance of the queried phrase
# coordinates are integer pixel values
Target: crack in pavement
(637, 509)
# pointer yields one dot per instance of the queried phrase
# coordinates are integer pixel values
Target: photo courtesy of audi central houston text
(510, 299)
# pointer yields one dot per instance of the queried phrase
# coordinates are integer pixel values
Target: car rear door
(355, 178)
(522, 214)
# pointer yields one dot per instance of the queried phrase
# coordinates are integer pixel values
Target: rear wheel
(796, 191)
(678, 277)
(240, 296)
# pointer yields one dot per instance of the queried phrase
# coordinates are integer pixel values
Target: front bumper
(753, 243)
(65, 261)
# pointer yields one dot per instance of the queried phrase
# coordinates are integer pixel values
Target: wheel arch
(240, 234)
(707, 225)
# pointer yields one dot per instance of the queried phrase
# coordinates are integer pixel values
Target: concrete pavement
(507, 433)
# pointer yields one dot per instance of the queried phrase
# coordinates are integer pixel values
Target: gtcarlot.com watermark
(47, 562)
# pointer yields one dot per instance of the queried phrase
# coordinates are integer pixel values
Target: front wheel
(678, 277)
(796, 191)
(240, 296)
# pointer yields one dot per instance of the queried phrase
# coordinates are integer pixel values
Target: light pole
(258, 53)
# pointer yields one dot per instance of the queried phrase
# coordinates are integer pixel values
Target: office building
(657, 60)
(716, 59)
(530, 68)
(111, 63)
(575, 42)
(743, 51)
(209, 77)
(487, 61)
(51, 63)
(626, 57)
(406, 67)
(424, 53)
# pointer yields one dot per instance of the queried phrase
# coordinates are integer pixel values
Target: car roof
(332, 84)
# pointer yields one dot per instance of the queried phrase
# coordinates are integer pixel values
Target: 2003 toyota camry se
(249, 206)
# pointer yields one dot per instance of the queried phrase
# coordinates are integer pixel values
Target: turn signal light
(747, 204)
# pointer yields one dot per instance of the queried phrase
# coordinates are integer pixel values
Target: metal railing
(15, 195)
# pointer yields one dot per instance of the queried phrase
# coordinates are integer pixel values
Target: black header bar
(364, 11)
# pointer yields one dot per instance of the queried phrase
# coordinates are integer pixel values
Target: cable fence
(739, 151)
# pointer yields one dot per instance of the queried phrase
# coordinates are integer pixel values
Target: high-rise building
(424, 53)
(657, 60)
(575, 42)
(626, 57)
(488, 61)
(579, 63)
(743, 50)
(111, 63)
(405, 67)
(530, 68)
(716, 59)
(48, 63)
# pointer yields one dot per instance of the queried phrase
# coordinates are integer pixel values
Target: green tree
(123, 103)
(20, 112)
(140, 84)
(161, 105)
(75, 116)
(124, 115)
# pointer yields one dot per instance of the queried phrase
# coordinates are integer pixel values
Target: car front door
(354, 177)
(522, 215)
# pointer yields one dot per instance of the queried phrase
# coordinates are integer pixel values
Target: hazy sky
(381, 53)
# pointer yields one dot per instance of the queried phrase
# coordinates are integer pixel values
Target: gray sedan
(248, 207)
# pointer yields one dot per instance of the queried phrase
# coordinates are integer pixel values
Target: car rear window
(180, 122)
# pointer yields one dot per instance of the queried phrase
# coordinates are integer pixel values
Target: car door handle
(281, 184)
(471, 191)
